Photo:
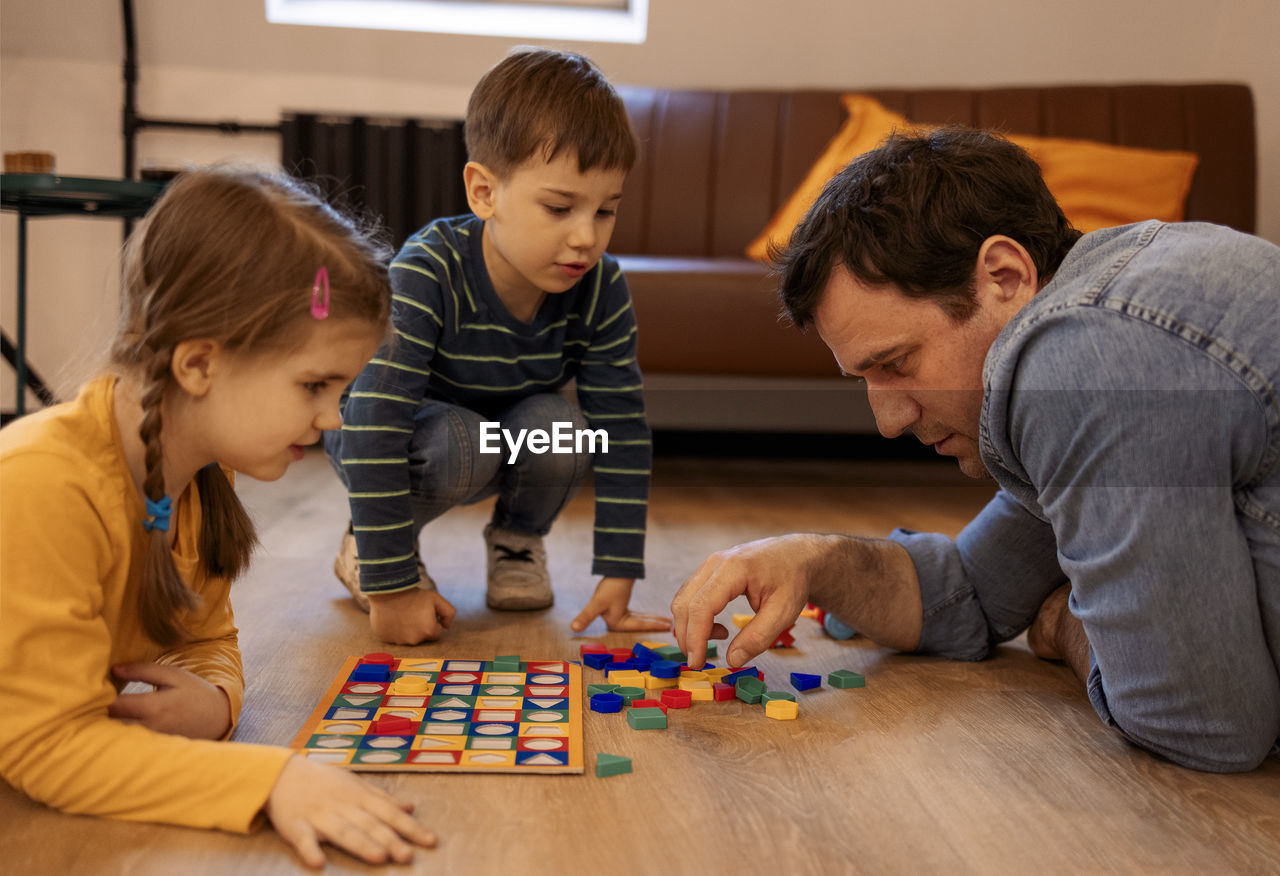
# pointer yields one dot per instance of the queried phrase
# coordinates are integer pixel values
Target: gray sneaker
(347, 567)
(517, 571)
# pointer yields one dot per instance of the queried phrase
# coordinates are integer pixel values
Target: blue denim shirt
(1131, 418)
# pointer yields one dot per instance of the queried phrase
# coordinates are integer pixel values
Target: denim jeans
(447, 467)
(1131, 418)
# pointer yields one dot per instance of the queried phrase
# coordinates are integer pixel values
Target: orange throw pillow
(1098, 185)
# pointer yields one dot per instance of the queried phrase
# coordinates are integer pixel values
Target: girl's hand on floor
(182, 703)
(313, 803)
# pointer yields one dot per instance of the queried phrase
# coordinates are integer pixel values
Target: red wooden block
(721, 692)
(620, 654)
(593, 648)
(648, 704)
(392, 725)
(677, 699)
(786, 640)
(378, 658)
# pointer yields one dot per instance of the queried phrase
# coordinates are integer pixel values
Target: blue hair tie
(158, 514)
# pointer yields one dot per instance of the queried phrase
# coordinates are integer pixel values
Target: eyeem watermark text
(562, 438)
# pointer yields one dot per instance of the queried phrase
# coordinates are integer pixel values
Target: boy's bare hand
(610, 602)
(410, 616)
(313, 803)
(182, 703)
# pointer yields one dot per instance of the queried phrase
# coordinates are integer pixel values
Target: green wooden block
(845, 678)
(712, 650)
(593, 689)
(777, 695)
(747, 691)
(611, 765)
(630, 693)
(505, 664)
(647, 719)
(670, 652)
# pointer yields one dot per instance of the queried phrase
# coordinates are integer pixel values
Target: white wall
(61, 88)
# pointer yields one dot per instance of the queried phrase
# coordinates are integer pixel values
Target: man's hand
(313, 803)
(775, 576)
(409, 616)
(182, 703)
(610, 601)
(1057, 634)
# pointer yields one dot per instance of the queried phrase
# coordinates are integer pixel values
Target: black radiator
(400, 172)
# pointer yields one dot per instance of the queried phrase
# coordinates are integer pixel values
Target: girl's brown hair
(229, 254)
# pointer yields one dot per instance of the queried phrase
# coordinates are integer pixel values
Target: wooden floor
(994, 767)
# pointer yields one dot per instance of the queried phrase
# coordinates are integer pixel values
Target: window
(611, 21)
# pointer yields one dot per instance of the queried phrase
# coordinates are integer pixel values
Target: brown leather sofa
(715, 166)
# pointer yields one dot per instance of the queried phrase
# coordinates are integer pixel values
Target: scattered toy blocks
(677, 699)
(611, 765)
(648, 704)
(606, 702)
(647, 719)
(749, 689)
(786, 640)
(845, 678)
(782, 710)
(597, 659)
(664, 669)
(804, 681)
(630, 694)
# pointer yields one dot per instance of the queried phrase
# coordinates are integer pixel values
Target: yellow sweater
(71, 552)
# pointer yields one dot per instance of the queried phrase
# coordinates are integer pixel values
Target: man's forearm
(871, 585)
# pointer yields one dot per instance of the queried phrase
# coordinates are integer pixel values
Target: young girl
(247, 306)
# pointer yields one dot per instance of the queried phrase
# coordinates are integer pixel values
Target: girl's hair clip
(320, 309)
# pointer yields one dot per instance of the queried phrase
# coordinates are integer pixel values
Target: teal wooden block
(611, 765)
(647, 719)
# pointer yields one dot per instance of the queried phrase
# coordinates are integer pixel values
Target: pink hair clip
(320, 309)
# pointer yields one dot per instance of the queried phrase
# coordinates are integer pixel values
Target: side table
(40, 194)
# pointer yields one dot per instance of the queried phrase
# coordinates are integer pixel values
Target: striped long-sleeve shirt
(455, 341)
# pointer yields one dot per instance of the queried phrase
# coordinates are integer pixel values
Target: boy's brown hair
(544, 101)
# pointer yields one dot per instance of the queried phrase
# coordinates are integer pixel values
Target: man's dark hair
(541, 100)
(914, 212)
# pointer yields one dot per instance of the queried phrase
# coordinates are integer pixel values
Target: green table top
(44, 194)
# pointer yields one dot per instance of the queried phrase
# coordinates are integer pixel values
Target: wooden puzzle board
(451, 715)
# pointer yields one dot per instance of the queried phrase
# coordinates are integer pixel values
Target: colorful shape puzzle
(439, 714)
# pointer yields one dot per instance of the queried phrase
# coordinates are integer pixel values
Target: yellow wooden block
(716, 674)
(651, 683)
(653, 645)
(703, 693)
(695, 684)
(783, 710)
(694, 675)
(741, 620)
(627, 678)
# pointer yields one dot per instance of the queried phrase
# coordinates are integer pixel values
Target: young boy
(494, 313)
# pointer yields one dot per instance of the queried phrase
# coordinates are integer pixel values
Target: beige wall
(61, 87)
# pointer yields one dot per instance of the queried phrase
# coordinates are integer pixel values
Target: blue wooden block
(805, 681)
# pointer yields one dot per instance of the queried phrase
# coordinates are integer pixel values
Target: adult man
(1122, 389)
